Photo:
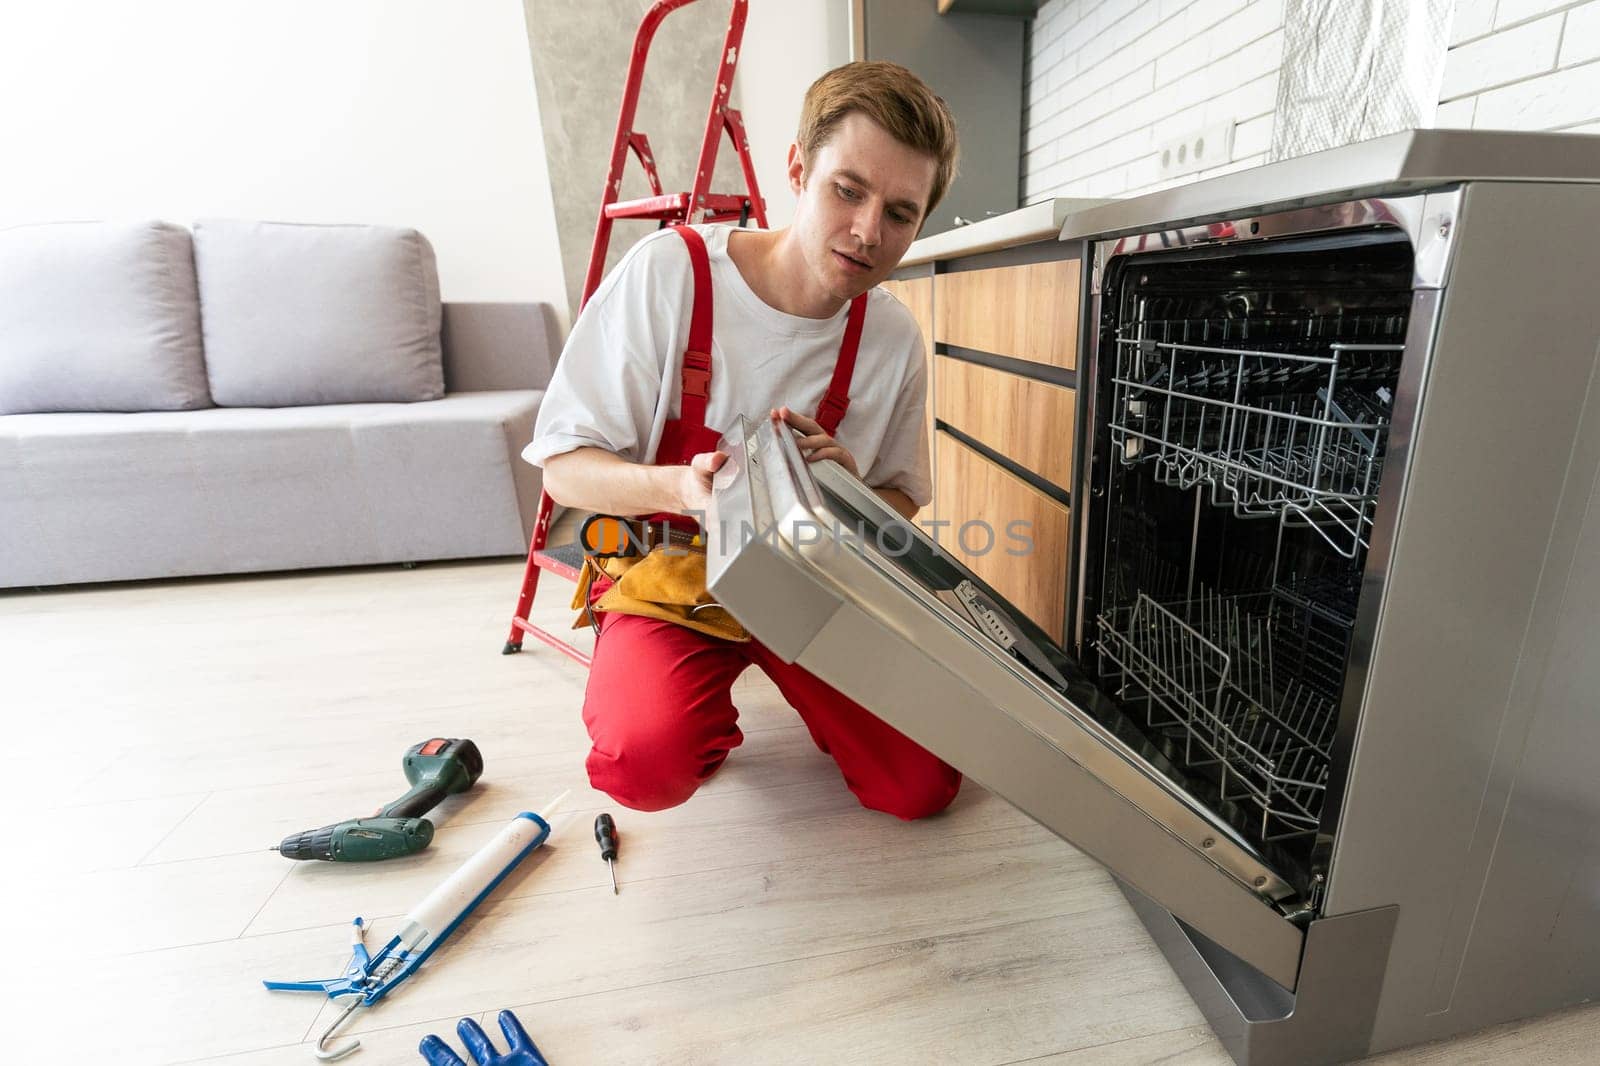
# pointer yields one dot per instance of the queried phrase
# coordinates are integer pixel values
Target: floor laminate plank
(181, 727)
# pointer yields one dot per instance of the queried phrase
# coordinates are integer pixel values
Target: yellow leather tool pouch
(668, 583)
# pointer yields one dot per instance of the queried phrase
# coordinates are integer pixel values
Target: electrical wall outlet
(1200, 150)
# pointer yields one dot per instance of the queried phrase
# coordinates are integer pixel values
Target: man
(712, 323)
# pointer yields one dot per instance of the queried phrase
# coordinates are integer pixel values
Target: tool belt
(656, 571)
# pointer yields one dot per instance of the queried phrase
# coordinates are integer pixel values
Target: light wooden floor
(162, 735)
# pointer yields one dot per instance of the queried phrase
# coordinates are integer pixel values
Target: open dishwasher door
(827, 575)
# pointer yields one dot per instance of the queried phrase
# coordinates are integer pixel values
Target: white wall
(402, 112)
(1110, 81)
(787, 46)
(1523, 65)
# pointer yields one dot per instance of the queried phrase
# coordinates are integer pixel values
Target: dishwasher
(1327, 707)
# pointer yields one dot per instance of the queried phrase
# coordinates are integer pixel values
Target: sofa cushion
(297, 315)
(113, 497)
(99, 316)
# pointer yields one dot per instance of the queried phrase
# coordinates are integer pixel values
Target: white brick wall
(1110, 81)
(1523, 65)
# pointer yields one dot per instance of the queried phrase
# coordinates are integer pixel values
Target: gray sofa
(116, 494)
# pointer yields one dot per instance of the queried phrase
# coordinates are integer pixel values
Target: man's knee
(913, 798)
(648, 765)
(638, 783)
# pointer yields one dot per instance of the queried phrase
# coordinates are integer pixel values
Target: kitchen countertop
(1035, 222)
(1396, 164)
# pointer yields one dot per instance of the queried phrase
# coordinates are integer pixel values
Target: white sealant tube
(463, 890)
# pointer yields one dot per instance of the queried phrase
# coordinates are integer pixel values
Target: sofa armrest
(493, 346)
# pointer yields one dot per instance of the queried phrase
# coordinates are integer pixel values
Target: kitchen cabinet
(1023, 9)
(1026, 420)
(1028, 311)
(916, 292)
(1005, 530)
(998, 304)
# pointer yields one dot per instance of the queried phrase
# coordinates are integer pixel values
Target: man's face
(861, 202)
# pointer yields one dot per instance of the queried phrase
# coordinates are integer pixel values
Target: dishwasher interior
(1245, 404)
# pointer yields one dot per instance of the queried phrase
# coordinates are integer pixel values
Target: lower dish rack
(1247, 685)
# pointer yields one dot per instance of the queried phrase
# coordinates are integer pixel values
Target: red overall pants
(659, 708)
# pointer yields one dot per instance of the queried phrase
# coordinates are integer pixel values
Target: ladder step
(674, 205)
(565, 560)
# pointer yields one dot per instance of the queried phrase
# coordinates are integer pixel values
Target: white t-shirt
(618, 380)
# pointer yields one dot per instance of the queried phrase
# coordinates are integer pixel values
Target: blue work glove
(522, 1053)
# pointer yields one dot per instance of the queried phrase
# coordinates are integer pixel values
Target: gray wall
(581, 50)
(975, 63)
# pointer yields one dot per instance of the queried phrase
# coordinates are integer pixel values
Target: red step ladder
(696, 206)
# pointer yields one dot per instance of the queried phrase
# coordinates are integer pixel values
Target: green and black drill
(436, 768)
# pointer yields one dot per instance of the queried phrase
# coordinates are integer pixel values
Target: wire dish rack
(1297, 434)
(1247, 684)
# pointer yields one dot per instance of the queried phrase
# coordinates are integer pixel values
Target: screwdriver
(605, 831)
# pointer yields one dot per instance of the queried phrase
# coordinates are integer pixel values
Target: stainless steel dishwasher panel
(1472, 800)
(928, 655)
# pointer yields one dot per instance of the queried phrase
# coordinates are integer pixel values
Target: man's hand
(593, 479)
(816, 444)
(694, 483)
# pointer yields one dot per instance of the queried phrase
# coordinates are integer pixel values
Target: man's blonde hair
(895, 99)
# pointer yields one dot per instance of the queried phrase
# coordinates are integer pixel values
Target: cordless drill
(435, 768)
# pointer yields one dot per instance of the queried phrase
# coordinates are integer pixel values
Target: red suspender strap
(697, 359)
(836, 401)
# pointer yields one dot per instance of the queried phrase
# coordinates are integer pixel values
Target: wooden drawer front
(1027, 312)
(1029, 422)
(972, 489)
(917, 295)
